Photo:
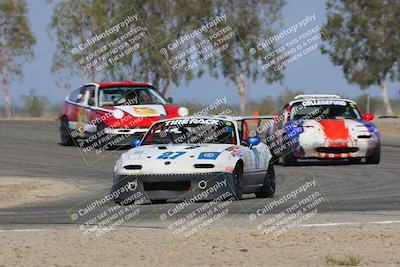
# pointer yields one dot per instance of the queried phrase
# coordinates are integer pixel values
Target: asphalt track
(31, 148)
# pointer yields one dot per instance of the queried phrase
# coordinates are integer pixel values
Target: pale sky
(313, 73)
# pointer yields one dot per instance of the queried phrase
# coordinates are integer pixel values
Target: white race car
(324, 127)
(195, 157)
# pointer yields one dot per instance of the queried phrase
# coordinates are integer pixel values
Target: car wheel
(237, 180)
(375, 157)
(288, 159)
(66, 138)
(268, 188)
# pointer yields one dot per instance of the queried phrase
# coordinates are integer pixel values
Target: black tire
(268, 188)
(237, 180)
(288, 159)
(375, 157)
(65, 133)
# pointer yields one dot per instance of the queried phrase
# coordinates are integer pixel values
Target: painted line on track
(301, 225)
(347, 223)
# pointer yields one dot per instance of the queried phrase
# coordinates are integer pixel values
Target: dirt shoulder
(45, 118)
(388, 126)
(21, 190)
(363, 245)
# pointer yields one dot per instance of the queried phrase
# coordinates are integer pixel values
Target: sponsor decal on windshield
(315, 102)
(192, 121)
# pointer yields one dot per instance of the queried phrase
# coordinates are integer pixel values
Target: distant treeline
(271, 105)
(39, 106)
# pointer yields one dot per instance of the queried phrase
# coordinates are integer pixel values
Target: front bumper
(204, 186)
(361, 148)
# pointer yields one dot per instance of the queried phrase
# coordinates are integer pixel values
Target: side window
(240, 129)
(91, 101)
(76, 95)
(243, 130)
(84, 95)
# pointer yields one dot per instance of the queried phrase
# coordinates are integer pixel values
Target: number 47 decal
(170, 155)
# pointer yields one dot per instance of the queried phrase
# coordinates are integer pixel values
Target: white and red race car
(324, 127)
(114, 108)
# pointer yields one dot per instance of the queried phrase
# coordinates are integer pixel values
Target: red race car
(115, 108)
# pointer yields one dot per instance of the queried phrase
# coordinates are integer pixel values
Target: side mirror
(135, 142)
(368, 116)
(170, 100)
(253, 141)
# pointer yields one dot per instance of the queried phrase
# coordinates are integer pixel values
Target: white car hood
(345, 130)
(181, 159)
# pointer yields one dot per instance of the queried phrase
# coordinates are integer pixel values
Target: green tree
(266, 105)
(166, 21)
(375, 103)
(16, 42)
(250, 20)
(73, 22)
(34, 104)
(362, 37)
(286, 96)
(161, 19)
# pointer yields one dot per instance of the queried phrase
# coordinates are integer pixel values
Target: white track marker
(301, 225)
(346, 223)
(24, 230)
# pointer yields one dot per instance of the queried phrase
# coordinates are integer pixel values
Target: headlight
(118, 114)
(182, 111)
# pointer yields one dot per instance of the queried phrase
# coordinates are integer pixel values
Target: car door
(73, 106)
(253, 157)
(279, 131)
(85, 110)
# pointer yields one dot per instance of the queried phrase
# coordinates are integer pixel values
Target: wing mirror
(253, 141)
(135, 142)
(368, 116)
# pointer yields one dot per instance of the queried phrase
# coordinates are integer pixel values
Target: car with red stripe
(324, 127)
(114, 108)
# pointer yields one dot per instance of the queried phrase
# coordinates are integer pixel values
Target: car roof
(301, 98)
(215, 117)
(124, 83)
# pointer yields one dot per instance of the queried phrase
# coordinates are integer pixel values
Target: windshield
(327, 109)
(191, 131)
(125, 95)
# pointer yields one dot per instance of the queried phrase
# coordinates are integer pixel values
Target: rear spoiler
(264, 117)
